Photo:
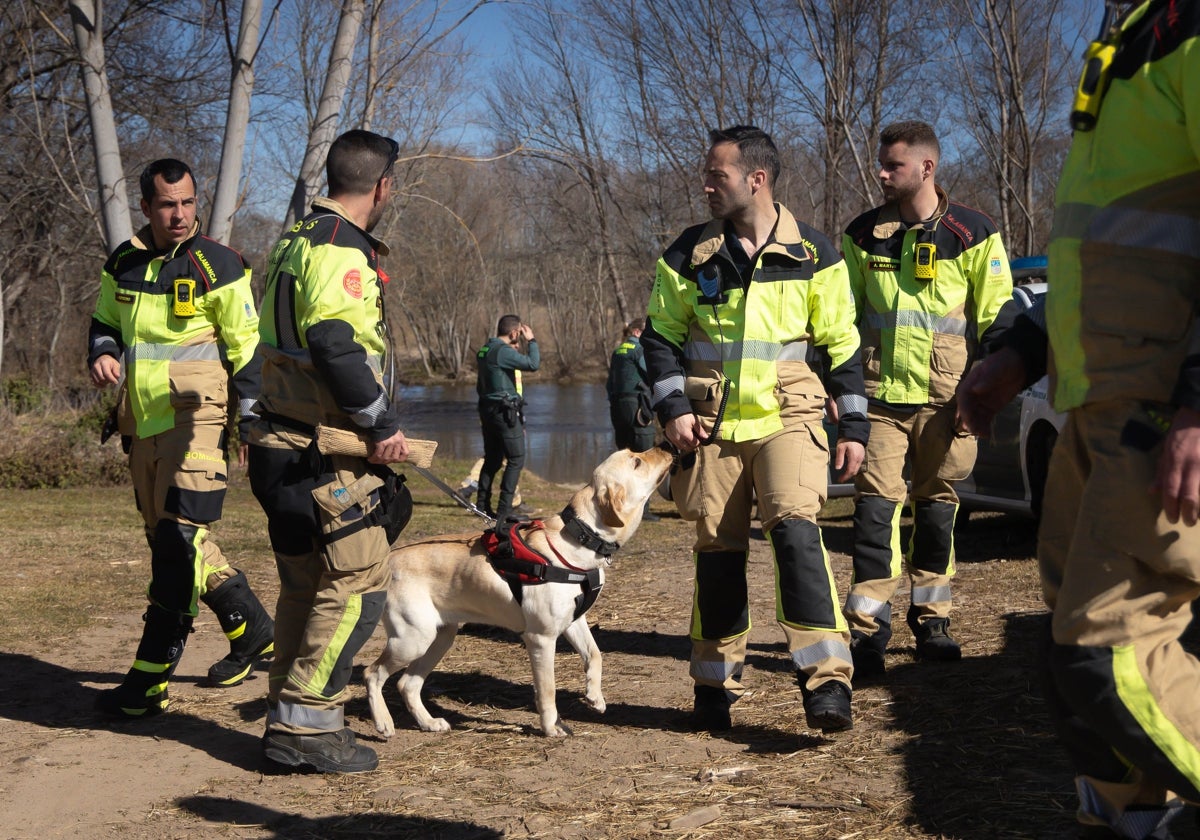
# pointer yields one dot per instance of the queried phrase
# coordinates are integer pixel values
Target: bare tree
(237, 120)
(325, 125)
(1013, 66)
(86, 20)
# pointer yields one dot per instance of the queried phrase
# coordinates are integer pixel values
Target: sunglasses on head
(393, 156)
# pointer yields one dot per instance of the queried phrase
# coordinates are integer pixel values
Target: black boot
(143, 692)
(827, 707)
(250, 631)
(710, 710)
(325, 752)
(934, 642)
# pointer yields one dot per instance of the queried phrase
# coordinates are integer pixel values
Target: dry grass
(938, 751)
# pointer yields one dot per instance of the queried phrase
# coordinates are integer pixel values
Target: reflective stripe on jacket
(704, 323)
(323, 332)
(920, 336)
(177, 368)
(1125, 249)
(627, 370)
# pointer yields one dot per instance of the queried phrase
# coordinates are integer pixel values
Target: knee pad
(721, 595)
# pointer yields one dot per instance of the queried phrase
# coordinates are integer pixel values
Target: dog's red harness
(521, 566)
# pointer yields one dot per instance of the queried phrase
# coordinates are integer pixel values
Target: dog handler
(176, 308)
(738, 306)
(329, 517)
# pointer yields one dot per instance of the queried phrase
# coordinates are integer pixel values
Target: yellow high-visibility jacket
(774, 334)
(323, 334)
(1124, 254)
(920, 336)
(177, 368)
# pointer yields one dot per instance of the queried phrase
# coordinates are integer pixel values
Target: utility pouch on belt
(377, 498)
(397, 505)
(513, 410)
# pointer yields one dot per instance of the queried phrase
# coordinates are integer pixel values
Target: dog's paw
(596, 704)
(558, 730)
(387, 730)
(436, 725)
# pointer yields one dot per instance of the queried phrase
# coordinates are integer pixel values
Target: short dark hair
(507, 324)
(171, 170)
(358, 160)
(913, 133)
(635, 324)
(755, 145)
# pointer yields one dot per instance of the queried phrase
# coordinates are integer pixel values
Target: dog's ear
(611, 500)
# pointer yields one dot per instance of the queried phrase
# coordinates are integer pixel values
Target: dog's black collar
(585, 536)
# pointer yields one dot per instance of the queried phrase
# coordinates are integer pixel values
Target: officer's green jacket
(497, 363)
(920, 336)
(1124, 266)
(177, 368)
(323, 334)
(627, 370)
(774, 334)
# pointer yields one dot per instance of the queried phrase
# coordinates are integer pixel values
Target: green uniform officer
(502, 410)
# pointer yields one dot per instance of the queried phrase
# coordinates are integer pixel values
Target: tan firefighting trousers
(789, 473)
(179, 478)
(1120, 580)
(333, 577)
(937, 458)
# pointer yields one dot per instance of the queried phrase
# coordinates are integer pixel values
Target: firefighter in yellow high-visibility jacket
(750, 321)
(176, 311)
(929, 278)
(1119, 544)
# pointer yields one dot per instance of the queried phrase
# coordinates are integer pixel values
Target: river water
(567, 427)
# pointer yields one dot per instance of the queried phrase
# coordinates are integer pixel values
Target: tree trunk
(324, 129)
(241, 86)
(86, 18)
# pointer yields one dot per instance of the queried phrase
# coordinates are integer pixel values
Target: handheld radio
(925, 261)
(185, 298)
(1093, 81)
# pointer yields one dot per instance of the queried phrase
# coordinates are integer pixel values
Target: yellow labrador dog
(440, 583)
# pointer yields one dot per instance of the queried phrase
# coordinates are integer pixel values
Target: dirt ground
(937, 751)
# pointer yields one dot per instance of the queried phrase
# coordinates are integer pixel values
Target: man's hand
(389, 451)
(105, 371)
(1178, 479)
(848, 459)
(526, 332)
(986, 389)
(685, 432)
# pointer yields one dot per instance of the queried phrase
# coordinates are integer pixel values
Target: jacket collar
(329, 205)
(888, 221)
(785, 239)
(143, 240)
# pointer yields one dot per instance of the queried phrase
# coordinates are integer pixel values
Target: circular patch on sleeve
(352, 283)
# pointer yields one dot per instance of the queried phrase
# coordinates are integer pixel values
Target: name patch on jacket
(884, 265)
(203, 262)
(124, 297)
